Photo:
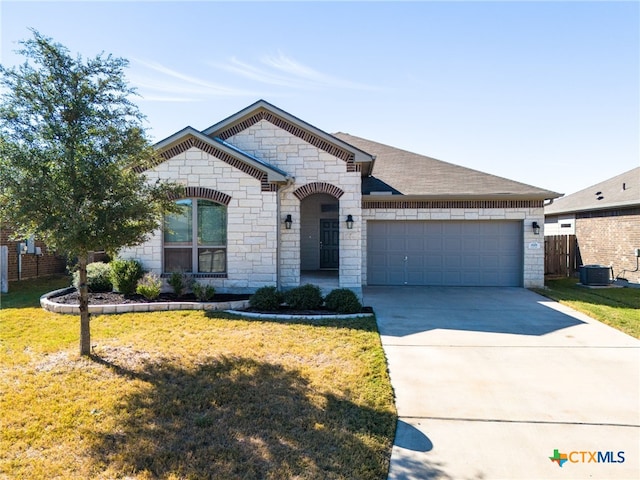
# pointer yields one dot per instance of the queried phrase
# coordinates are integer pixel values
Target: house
(269, 198)
(29, 258)
(605, 219)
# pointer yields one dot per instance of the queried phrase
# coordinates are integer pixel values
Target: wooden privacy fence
(560, 255)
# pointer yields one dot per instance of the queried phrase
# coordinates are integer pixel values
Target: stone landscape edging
(228, 307)
(293, 316)
(54, 307)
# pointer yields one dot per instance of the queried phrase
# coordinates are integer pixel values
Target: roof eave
(598, 208)
(273, 174)
(453, 197)
(360, 156)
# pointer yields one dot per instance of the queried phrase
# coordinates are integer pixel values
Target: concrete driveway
(490, 382)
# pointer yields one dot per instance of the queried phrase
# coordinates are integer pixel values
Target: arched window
(195, 239)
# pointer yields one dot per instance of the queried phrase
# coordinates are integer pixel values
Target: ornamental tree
(72, 149)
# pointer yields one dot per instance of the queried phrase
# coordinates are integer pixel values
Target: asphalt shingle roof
(620, 191)
(405, 173)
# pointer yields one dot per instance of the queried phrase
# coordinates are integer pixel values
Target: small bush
(266, 298)
(203, 293)
(179, 282)
(125, 275)
(343, 300)
(305, 297)
(149, 286)
(98, 277)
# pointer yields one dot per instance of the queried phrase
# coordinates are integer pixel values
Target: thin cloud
(161, 83)
(251, 72)
(158, 83)
(283, 71)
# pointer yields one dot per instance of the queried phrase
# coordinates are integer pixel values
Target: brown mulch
(114, 298)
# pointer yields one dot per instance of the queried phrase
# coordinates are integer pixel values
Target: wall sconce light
(349, 222)
(536, 228)
(287, 222)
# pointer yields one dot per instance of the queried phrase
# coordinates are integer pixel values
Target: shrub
(305, 297)
(149, 286)
(343, 300)
(266, 298)
(203, 293)
(98, 277)
(179, 282)
(125, 275)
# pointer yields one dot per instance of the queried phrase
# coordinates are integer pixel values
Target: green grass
(178, 395)
(617, 307)
(26, 293)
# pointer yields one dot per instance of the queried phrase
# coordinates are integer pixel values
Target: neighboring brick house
(30, 265)
(269, 197)
(605, 218)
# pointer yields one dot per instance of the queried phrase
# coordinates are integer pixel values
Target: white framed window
(195, 239)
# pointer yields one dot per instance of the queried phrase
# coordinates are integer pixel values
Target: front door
(329, 243)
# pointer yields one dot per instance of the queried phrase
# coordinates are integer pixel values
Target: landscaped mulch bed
(284, 310)
(114, 298)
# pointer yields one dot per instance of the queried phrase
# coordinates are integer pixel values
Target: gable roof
(190, 137)
(263, 110)
(400, 172)
(620, 191)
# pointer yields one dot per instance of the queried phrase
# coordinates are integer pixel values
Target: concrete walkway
(489, 382)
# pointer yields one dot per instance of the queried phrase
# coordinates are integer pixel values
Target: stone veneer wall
(307, 164)
(533, 267)
(251, 221)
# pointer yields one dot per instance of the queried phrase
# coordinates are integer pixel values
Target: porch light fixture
(536, 228)
(287, 222)
(349, 222)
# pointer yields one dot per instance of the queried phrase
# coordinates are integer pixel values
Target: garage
(447, 253)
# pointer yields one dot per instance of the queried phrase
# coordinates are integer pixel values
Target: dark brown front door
(329, 243)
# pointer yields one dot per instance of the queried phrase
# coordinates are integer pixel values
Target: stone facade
(266, 165)
(307, 165)
(256, 218)
(252, 226)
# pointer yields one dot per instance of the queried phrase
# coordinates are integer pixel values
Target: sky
(542, 92)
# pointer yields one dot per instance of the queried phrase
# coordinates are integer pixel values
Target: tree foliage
(72, 149)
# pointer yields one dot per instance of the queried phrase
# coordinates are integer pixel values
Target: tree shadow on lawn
(239, 418)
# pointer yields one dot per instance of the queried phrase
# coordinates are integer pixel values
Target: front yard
(189, 395)
(617, 307)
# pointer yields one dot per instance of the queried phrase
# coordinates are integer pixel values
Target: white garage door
(456, 253)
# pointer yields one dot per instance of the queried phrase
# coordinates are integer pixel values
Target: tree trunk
(85, 328)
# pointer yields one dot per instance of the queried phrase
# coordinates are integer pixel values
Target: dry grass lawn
(180, 395)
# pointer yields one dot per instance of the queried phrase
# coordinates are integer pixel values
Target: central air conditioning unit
(594, 275)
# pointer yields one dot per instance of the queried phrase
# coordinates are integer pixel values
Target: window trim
(194, 246)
